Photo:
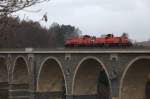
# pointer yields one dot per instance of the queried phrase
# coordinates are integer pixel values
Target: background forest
(22, 34)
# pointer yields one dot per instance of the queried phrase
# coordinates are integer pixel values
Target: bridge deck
(78, 50)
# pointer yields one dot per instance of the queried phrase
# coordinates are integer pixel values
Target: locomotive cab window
(109, 36)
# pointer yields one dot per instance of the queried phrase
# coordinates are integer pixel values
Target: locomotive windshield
(109, 35)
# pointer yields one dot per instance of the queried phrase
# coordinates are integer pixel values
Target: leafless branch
(10, 6)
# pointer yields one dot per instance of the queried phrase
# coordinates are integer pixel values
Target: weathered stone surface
(73, 74)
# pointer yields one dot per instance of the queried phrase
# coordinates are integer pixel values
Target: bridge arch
(134, 76)
(20, 81)
(80, 88)
(51, 81)
(3, 78)
(20, 71)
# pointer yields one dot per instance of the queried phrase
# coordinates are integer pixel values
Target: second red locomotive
(106, 40)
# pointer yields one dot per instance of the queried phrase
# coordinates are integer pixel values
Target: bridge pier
(115, 89)
(33, 75)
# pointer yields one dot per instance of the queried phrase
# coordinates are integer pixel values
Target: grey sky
(96, 17)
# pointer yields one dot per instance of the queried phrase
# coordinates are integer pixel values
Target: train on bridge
(108, 40)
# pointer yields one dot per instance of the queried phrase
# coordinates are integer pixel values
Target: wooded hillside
(22, 34)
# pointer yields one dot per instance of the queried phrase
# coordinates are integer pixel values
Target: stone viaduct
(74, 74)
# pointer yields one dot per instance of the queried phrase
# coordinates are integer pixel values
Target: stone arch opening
(51, 82)
(20, 79)
(134, 79)
(20, 72)
(3, 79)
(91, 81)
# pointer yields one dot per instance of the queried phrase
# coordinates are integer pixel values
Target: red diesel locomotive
(106, 40)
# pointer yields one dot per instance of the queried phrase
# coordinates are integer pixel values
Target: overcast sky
(96, 17)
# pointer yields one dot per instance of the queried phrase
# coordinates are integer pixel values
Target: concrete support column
(69, 76)
(10, 74)
(32, 64)
(69, 85)
(69, 94)
(114, 75)
(115, 89)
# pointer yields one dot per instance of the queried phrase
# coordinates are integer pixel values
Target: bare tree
(10, 6)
